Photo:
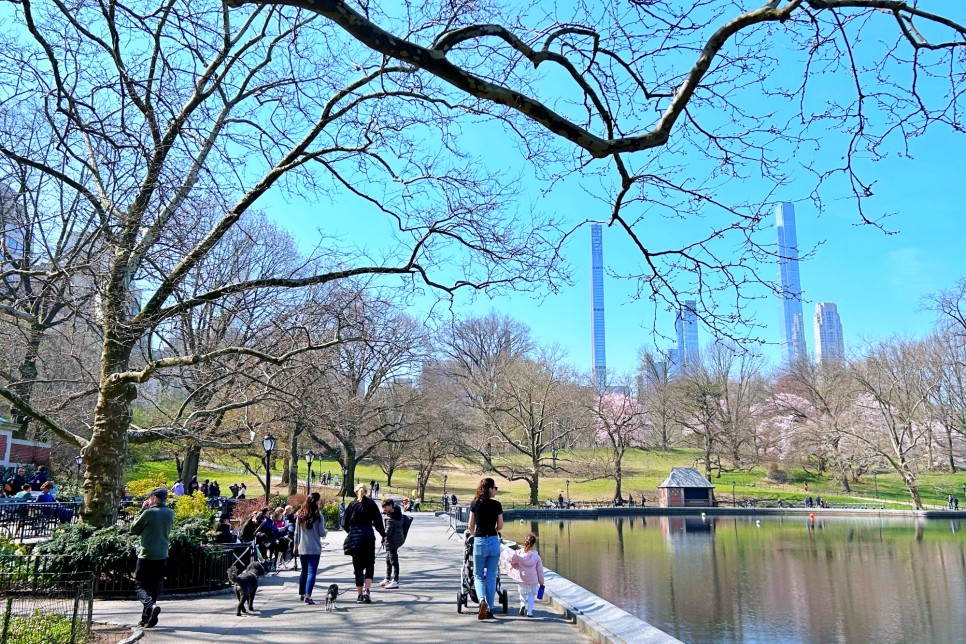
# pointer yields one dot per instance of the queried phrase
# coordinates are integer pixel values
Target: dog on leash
(331, 596)
(246, 585)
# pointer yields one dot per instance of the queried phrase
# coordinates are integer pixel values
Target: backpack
(406, 522)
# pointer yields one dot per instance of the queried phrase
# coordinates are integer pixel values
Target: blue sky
(877, 280)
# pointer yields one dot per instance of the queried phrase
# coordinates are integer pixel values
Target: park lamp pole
(875, 479)
(309, 457)
(78, 461)
(964, 491)
(568, 493)
(269, 444)
(345, 483)
(734, 500)
(445, 476)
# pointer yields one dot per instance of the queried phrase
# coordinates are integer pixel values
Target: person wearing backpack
(395, 537)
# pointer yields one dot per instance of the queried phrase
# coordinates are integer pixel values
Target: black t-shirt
(486, 511)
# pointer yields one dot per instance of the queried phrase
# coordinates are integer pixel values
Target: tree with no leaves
(158, 110)
(664, 103)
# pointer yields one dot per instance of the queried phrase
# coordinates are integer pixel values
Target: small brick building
(19, 451)
(685, 487)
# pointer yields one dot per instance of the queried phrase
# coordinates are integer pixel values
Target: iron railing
(203, 571)
(44, 607)
(31, 520)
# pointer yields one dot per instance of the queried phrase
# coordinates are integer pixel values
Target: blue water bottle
(540, 593)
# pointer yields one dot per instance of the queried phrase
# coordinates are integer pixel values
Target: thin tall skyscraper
(793, 321)
(597, 352)
(829, 341)
(686, 328)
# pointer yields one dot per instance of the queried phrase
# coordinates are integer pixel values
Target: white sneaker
(392, 585)
(384, 583)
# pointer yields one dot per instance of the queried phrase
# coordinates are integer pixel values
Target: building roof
(686, 477)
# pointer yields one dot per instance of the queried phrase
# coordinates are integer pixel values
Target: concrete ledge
(595, 513)
(599, 619)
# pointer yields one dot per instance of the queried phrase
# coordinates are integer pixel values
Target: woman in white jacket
(526, 568)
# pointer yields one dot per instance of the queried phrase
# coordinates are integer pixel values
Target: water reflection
(755, 579)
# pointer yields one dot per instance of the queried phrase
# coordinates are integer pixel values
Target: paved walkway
(422, 610)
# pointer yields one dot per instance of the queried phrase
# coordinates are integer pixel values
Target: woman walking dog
(309, 531)
(360, 518)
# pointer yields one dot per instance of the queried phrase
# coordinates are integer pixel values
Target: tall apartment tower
(793, 321)
(686, 329)
(597, 352)
(829, 342)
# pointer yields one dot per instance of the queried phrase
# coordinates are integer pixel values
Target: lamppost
(568, 493)
(875, 479)
(964, 491)
(445, 476)
(309, 457)
(269, 444)
(78, 461)
(734, 500)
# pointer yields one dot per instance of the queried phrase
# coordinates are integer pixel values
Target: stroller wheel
(459, 603)
(504, 600)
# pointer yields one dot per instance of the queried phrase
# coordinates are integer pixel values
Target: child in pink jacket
(526, 568)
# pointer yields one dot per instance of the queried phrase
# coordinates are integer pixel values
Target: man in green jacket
(154, 527)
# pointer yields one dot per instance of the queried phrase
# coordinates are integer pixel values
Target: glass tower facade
(793, 321)
(597, 352)
(829, 342)
(686, 329)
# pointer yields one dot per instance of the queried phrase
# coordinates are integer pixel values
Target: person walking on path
(309, 532)
(359, 519)
(393, 522)
(485, 524)
(153, 525)
(526, 568)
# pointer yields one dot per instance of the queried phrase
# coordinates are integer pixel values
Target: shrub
(331, 513)
(191, 505)
(141, 487)
(776, 475)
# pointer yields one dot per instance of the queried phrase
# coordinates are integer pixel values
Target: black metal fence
(30, 520)
(45, 608)
(204, 571)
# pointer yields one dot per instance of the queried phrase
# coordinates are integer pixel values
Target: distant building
(686, 487)
(597, 351)
(829, 341)
(793, 321)
(687, 352)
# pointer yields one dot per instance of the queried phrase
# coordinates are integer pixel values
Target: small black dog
(331, 596)
(246, 585)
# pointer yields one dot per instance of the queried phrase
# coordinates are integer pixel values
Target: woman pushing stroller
(485, 524)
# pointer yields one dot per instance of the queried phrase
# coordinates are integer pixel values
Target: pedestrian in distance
(526, 568)
(485, 524)
(309, 532)
(361, 517)
(242, 490)
(178, 488)
(393, 524)
(153, 526)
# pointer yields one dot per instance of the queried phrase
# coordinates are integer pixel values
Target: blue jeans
(310, 566)
(486, 555)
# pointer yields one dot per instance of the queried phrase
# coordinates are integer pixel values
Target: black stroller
(467, 591)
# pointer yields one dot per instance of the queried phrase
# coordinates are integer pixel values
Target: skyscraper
(829, 342)
(793, 321)
(686, 328)
(597, 352)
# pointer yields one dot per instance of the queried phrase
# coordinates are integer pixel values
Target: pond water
(785, 579)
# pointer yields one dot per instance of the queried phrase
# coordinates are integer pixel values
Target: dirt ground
(108, 634)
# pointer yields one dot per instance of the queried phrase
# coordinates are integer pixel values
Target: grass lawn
(643, 473)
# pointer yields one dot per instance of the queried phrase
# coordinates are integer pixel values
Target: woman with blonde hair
(360, 518)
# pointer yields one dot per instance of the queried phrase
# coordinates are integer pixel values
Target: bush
(776, 475)
(191, 505)
(141, 487)
(331, 513)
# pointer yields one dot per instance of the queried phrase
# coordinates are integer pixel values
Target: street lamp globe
(268, 443)
(309, 457)
(78, 460)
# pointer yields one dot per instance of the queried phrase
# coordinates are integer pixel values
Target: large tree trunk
(618, 478)
(105, 456)
(292, 469)
(535, 488)
(191, 460)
